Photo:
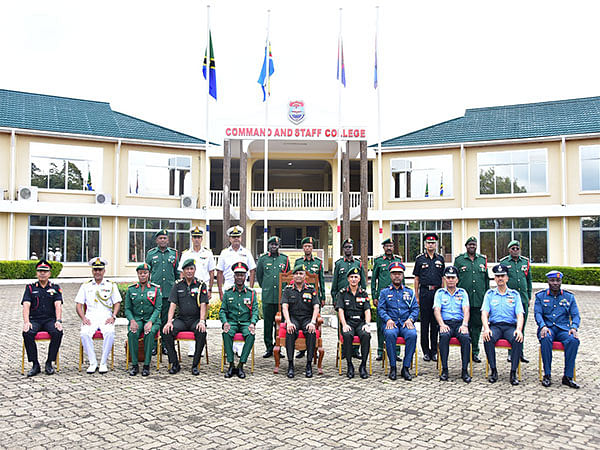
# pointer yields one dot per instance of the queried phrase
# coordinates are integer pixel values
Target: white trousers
(87, 331)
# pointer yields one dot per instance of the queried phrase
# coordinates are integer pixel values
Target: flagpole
(206, 136)
(266, 165)
(379, 163)
(339, 149)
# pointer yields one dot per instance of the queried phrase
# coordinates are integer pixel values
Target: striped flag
(341, 68)
(442, 185)
(209, 55)
(427, 186)
(263, 79)
(375, 76)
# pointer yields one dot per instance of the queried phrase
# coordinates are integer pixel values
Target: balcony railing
(216, 199)
(282, 200)
(355, 199)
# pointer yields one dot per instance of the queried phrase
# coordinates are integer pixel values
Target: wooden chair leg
(252, 368)
(112, 357)
(80, 354)
(206, 349)
(471, 361)
(338, 361)
(416, 361)
(370, 363)
(58, 361)
(222, 354)
(540, 363)
(23, 360)
(127, 354)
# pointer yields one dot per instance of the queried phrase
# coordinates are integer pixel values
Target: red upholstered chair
(238, 337)
(338, 358)
(140, 350)
(557, 346)
(188, 336)
(454, 342)
(401, 342)
(502, 343)
(97, 336)
(40, 336)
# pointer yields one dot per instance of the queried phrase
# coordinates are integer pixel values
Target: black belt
(428, 287)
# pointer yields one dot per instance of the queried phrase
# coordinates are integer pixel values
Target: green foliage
(17, 270)
(589, 276)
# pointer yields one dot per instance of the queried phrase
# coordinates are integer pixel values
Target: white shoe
(103, 368)
(92, 368)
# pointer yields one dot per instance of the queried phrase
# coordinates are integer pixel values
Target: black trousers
(365, 341)
(29, 338)
(184, 325)
(465, 343)
(290, 340)
(429, 326)
(503, 330)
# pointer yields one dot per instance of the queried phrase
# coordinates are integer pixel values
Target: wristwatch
(59, 320)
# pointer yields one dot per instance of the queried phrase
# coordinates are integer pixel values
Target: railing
(355, 199)
(293, 200)
(216, 199)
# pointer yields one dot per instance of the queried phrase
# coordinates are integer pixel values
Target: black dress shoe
(195, 370)
(154, 351)
(546, 381)
(356, 353)
(164, 351)
(145, 371)
(465, 376)
(569, 382)
(379, 358)
(444, 375)
(434, 356)
(493, 376)
(392, 376)
(509, 358)
(135, 369)
(300, 354)
(362, 370)
(48, 368)
(513, 378)
(476, 358)
(405, 374)
(229, 372)
(398, 358)
(350, 373)
(290, 371)
(241, 373)
(426, 357)
(268, 354)
(308, 373)
(35, 369)
(175, 367)
(524, 360)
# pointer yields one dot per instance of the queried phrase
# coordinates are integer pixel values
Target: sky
(436, 58)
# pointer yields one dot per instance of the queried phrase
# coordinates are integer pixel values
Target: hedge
(572, 275)
(25, 269)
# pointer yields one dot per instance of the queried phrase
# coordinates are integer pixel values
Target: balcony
(216, 199)
(289, 200)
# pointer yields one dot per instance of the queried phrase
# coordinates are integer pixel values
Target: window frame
(512, 231)
(581, 189)
(145, 230)
(132, 182)
(448, 181)
(581, 230)
(421, 232)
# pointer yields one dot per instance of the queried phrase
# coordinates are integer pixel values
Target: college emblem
(296, 112)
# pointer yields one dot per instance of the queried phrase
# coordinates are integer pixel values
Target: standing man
(503, 309)
(398, 309)
(451, 309)
(519, 279)
(354, 312)
(42, 311)
(557, 316)
(473, 278)
(428, 272)
(311, 264)
(380, 279)
(191, 296)
(163, 262)
(205, 267)
(231, 255)
(268, 268)
(143, 303)
(102, 299)
(300, 307)
(238, 314)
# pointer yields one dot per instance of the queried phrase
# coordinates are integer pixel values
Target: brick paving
(74, 410)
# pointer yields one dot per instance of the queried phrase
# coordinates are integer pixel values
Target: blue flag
(212, 72)
(262, 79)
(341, 68)
(375, 78)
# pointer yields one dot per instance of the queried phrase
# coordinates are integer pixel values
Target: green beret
(308, 240)
(161, 233)
(471, 239)
(273, 239)
(143, 266)
(298, 268)
(353, 271)
(513, 242)
(188, 262)
(387, 241)
(348, 241)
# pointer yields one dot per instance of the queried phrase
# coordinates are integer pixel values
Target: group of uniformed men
(172, 295)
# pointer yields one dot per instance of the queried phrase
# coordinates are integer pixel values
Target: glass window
(141, 236)
(159, 174)
(408, 237)
(60, 166)
(590, 239)
(64, 238)
(531, 233)
(590, 167)
(512, 172)
(422, 177)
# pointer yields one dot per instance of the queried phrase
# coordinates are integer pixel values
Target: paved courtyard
(74, 410)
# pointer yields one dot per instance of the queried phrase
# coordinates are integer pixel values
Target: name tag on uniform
(546, 300)
(151, 294)
(360, 300)
(438, 264)
(194, 290)
(51, 291)
(247, 301)
(406, 296)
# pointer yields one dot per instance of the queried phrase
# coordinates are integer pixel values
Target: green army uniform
(380, 279)
(314, 265)
(268, 268)
(143, 304)
(473, 278)
(239, 309)
(519, 279)
(340, 275)
(163, 271)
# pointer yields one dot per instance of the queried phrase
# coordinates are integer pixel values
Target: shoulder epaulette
(420, 254)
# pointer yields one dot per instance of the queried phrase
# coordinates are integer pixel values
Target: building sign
(296, 111)
(308, 133)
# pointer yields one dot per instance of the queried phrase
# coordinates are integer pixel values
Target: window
(512, 172)
(422, 177)
(64, 238)
(141, 236)
(69, 167)
(159, 174)
(408, 237)
(495, 234)
(590, 167)
(590, 239)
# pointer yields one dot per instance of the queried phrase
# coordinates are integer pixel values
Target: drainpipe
(563, 196)
(116, 218)
(12, 194)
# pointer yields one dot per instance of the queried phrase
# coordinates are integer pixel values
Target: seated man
(398, 310)
(143, 303)
(451, 310)
(102, 299)
(557, 316)
(42, 311)
(238, 314)
(300, 307)
(354, 312)
(191, 296)
(502, 318)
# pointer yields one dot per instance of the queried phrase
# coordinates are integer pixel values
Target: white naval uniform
(228, 258)
(95, 296)
(204, 260)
